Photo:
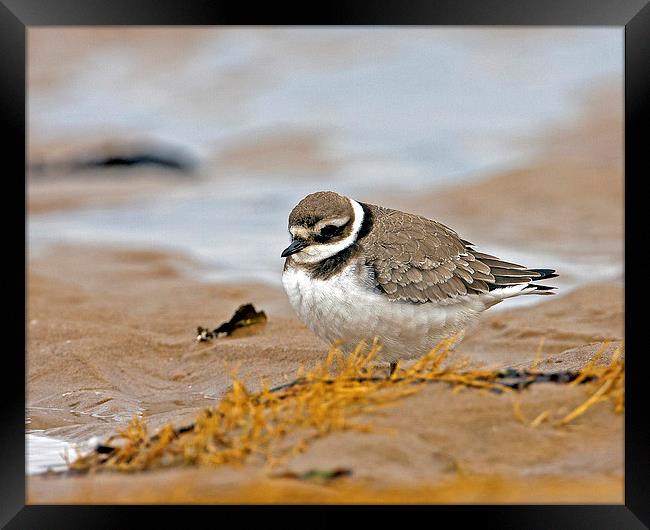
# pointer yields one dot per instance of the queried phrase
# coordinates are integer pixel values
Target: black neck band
(330, 266)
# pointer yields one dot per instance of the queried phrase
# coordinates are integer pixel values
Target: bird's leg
(392, 368)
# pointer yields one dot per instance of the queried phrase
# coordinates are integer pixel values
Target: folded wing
(418, 260)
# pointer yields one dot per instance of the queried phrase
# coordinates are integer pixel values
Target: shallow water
(45, 453)
(419, 105)
(238, 234)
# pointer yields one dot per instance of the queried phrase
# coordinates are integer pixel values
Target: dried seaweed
(245, 315)
(607, 384)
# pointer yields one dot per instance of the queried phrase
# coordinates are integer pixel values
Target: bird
(356, 272)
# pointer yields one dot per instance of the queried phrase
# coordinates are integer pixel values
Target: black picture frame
(632, 15)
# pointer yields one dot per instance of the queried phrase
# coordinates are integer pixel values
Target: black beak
(296, 246)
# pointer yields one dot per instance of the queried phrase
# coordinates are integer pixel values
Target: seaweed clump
(606, 384)
(609, 384)
(246, 315)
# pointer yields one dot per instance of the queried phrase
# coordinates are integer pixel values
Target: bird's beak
(296, 246)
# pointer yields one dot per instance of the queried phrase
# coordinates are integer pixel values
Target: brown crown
(320, 205)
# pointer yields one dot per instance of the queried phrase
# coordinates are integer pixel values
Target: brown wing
(418, 260)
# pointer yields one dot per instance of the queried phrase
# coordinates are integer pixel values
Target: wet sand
(111, 333)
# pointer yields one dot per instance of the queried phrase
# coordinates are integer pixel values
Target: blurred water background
(264, 116)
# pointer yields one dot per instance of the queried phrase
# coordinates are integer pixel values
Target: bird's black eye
(331, 230)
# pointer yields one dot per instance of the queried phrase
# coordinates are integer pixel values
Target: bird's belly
(347, 309)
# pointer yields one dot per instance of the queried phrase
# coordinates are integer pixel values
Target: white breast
(347, 308)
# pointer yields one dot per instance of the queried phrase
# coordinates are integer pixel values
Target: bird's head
(321, 225)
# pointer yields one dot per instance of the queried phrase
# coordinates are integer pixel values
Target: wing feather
(419, 260)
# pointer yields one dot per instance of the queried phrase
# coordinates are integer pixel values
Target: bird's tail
(509, 287)
(509, 279)
(544, 274)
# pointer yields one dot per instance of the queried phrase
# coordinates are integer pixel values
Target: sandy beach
(111, 328)
(119, 340)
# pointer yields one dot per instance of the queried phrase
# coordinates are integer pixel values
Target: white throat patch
(321, 251)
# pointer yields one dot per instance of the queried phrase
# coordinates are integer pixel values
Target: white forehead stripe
(321, 251)
(337, 221)
(299, 231)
